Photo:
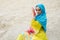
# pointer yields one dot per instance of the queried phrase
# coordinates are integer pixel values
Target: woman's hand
(34, 13)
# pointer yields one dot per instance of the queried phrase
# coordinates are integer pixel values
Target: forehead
(37, 8)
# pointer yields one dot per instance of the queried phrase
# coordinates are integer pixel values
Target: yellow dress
(38, 35)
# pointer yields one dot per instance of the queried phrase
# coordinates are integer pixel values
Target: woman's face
(38, 10)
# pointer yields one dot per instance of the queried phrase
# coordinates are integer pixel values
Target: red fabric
(30, 30)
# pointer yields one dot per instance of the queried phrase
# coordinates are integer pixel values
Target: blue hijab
(41, 18)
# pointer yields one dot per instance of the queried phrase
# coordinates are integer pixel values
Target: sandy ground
(15, 17)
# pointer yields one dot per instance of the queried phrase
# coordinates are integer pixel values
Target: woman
(37, 30)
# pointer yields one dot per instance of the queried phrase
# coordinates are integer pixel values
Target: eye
(38, 9)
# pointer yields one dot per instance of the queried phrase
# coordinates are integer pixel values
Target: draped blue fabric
(41, 18)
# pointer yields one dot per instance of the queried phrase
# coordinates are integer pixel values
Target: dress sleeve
(36, 25)
(20, 37)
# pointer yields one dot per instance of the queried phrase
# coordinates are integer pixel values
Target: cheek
(39, 11)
